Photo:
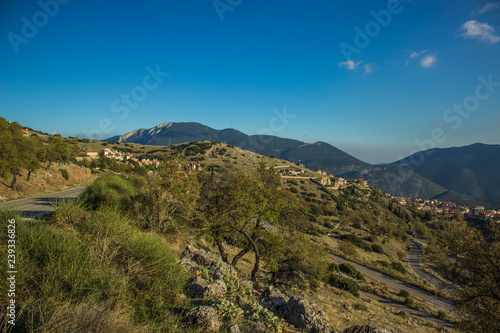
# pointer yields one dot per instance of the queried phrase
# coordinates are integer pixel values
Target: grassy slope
(109, 287)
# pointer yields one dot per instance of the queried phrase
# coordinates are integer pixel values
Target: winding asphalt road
(36, 206)
(407, 309)
(430, 299)
(415, 264)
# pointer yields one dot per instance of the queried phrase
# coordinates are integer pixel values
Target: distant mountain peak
(321, 155)
(159, 128)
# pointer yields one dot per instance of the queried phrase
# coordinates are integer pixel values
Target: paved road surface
(407, 309)
(415, 263)
(440, 303)
(36, 206)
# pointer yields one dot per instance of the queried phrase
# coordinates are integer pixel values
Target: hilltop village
(327, 180)
(444, 208)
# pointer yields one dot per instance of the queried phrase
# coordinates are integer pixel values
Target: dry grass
(55, 317)
(345, 310)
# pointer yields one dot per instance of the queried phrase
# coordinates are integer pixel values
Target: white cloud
(369, 68)
(486, 8)
(417, 54)
(349, 64)
(425, 61)
(478, 30)
(428, 61)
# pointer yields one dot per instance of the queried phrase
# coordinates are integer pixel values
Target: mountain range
(466, 175)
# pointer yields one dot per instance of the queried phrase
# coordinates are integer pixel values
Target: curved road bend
(407, 309)
(415, 264)
(430, 299)
(36, 206)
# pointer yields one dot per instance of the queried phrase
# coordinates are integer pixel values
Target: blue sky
(378, 79)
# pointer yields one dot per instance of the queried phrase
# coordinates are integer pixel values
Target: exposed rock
(367, 329)
(188, 265)
(201, 288)
(305, 315)
(216, 289)
(272, 292)
(200, 256)
(274, 300)
(204, 318)
(197, 287)
(205, 258)
(234, 329)
(216, 273)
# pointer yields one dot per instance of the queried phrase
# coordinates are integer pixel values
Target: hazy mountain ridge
(433, 178)
(472, 170)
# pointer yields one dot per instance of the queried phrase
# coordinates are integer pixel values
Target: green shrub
(110, 190)
(402, 255)
(360, 307)
(344, 284)
(397, 266)
(404, 293)
(384, 263)
(68, 211)
(377, 248)
(357, 241)
(333, 267)
(442, 315)
(403, 314)
(351, 271)
(409, 301)
(64, 173)
(328, 225)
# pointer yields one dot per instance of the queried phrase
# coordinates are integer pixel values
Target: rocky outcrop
(234, 329)
(204, 258)
(274, 300)
(201, 288)
(305, 315)
(367, 329)
(204, 318)
(296, 311)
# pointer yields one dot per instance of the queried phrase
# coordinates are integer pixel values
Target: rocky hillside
(47, 180)
(219, 289)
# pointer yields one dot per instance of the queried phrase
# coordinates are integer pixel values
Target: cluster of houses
(119, 156)
(325, 179)
(336, 182)
(323, 173)
(446, 208)
(291, 172)
(193, 167)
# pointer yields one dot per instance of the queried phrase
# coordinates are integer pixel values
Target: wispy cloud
(428, 61)
(369, 68)
(486, 8)
(349, 64)
(417, 54)
(478, 30)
